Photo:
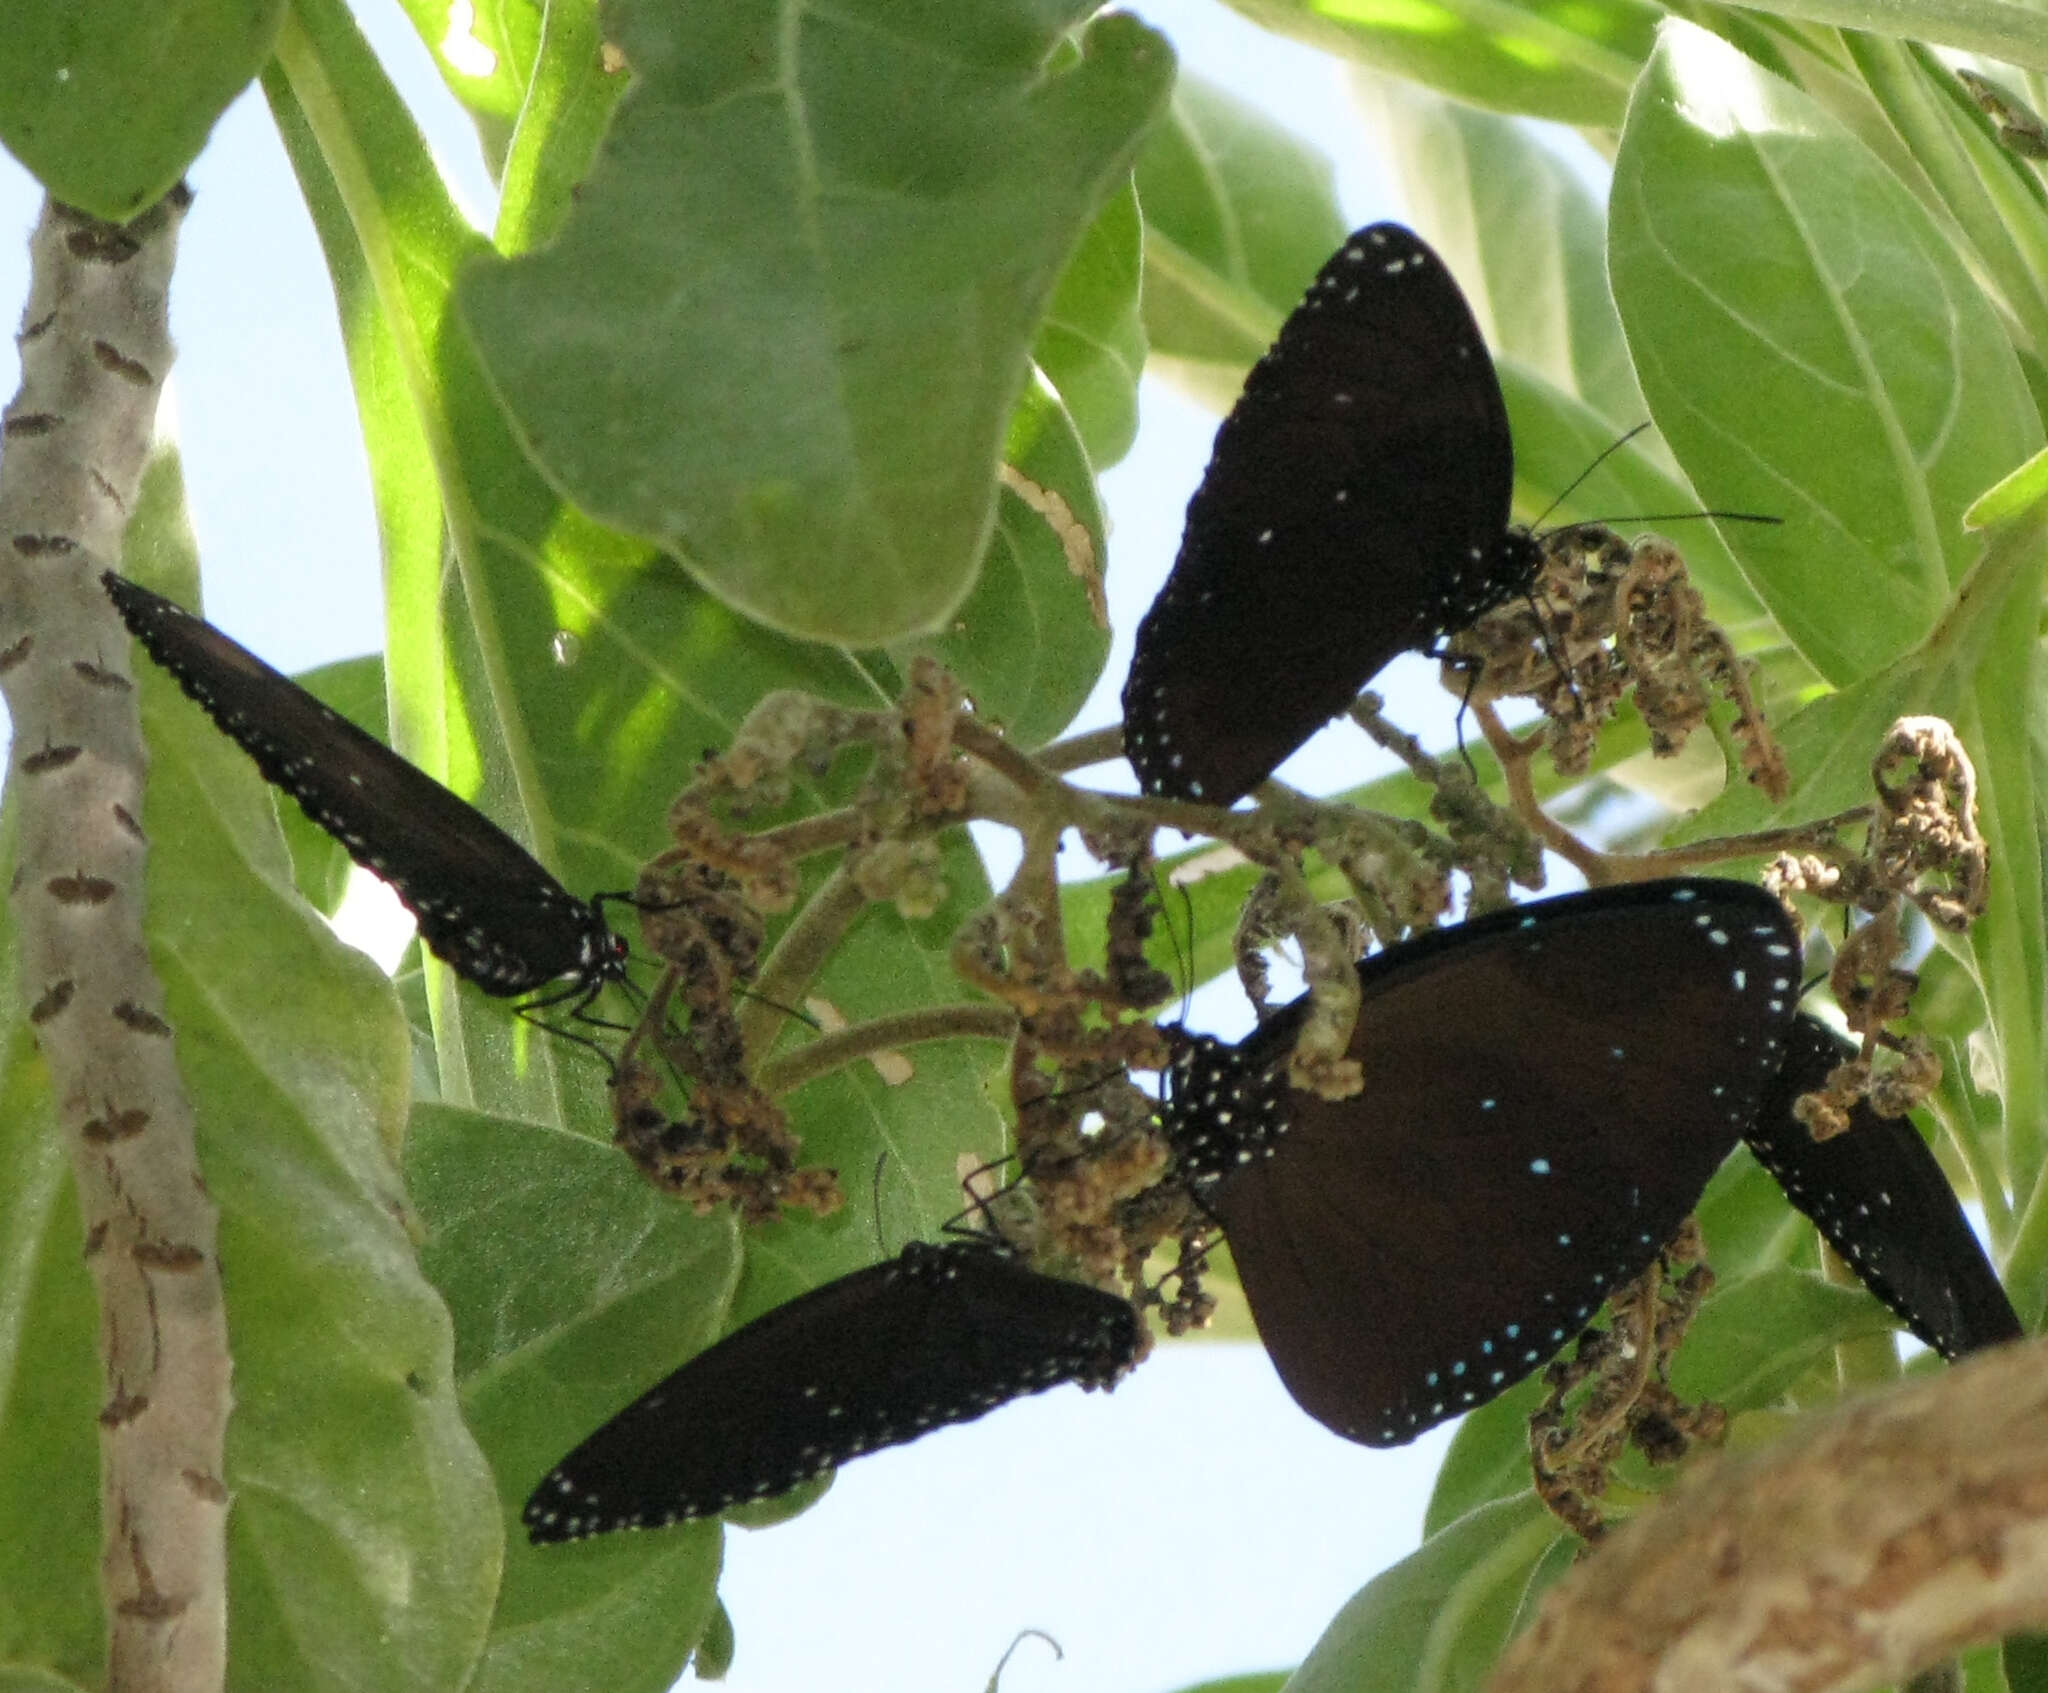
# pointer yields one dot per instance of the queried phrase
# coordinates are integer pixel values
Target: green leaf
(2026, 1663)
(1438, 1619)
(1030, 643)
(1488, 1458)
(1521, 231)
(568, 106)
(1563, 59)
(1239, 215)
(574, 1286)
(108, 101)
(1091, 346)
(1996, 202)
(1811, 347)
(50, 1382)
(561, 677)
(487, 53)
(1753, 1340)
(782, 330)
(713, 1659)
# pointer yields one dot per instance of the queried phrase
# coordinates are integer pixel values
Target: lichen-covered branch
(95, 348)
(1869, 1544)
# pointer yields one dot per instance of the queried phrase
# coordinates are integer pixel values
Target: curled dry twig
(1575, 1439)
(1606, 617)
(1922, 848)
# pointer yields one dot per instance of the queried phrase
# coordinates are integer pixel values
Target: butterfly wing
(483, 902)
(1546, 1093)
(1355, 507)
(940, 1334)
(1877, 1193)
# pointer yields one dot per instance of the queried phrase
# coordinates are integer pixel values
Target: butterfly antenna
(1605, 453)
(633, 900)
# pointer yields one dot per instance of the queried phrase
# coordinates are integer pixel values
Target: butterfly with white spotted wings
(1356, 507)
(1547, 1091)
(936, 1335)
(483, 903)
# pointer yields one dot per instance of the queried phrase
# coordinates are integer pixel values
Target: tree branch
(95, 347)
(1871, 1543)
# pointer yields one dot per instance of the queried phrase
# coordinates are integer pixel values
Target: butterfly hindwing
(1879, 1196)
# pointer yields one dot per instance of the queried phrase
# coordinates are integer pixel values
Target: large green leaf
(784, 325)
(1239, 215)
(1811, 348)
(1091, 346)
(574, 1286)
(1436, 1621)
(108, 101)
(1522, 232)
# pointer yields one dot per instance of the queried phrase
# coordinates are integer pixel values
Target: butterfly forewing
(1356, 506)
(483, 903)
(937, 1335)
(1546, 1093)
(1878, 1194)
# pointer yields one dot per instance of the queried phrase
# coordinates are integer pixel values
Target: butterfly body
(483, 903)
(1356, 506)
(939, 1334)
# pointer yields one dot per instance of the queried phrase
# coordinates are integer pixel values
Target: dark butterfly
(1547, 1091)
(483, 903)
(936, 1335)
(1356, 507)
(1877, 1193)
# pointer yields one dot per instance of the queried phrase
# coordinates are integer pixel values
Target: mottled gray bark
(95, 348)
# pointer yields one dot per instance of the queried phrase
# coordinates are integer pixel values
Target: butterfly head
(1222, 1111)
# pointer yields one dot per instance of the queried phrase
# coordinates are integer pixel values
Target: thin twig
(798, 956)
(835, 1051)
(1098, 746)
